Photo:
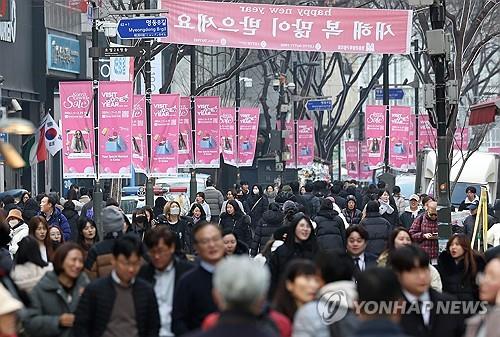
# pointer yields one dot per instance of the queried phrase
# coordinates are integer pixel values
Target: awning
(484, 113)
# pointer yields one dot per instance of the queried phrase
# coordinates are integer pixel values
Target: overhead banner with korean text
(305, 143)
(284, 27)
(228, 141)
(375, 134)
(290, 145)
(207, 150)
(248, 126)
(140, 160)
(77, 119)
(185, 156)
(164, 134)
(115, 107)
(399, 131)
(351, 149)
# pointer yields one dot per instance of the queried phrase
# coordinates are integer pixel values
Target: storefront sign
(8, 28)
(63, 54)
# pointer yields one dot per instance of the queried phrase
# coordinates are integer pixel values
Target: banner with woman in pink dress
(399, 130)
(375, 134)
(228, 141)
(185, 154)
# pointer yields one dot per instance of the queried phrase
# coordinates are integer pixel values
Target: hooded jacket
(270, 222)
(378, 230)
(407, 218)
(214, 199)
(330, 231)
(49, 300)
(27, 275)
(352, 217)
(31, 209)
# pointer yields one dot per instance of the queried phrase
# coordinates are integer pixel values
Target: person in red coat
(424, 231)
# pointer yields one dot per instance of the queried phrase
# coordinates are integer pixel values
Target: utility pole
(385, 102)
(192, 182)
(97, 197)
(437, 13)
(147, 89)
(238, 105)
(282, 80)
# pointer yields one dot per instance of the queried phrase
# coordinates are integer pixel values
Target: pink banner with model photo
(461, 139)
(426, 133)
(164, 134)
(351, 149)
(290, 145)
(305, 143)
(284, 27)
(399, 131)
(207, 150)
(139, 139)
(365, 173)
(228, 140)
(375, 134)
(77, 119)
(115, 107)
(412, 146)
(185, 156)
(248, 126)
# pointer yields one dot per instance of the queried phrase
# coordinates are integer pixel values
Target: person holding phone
(424, 231)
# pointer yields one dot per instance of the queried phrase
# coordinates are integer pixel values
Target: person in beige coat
(29, 267)
(487, 324)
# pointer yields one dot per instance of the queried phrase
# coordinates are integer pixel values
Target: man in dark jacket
(214, 199)
(310, 201)
(335, 193)
(120, 304)
(471, 197)
(378, 228)
(272, 219)
(411, 212)
(72, 217)
(163, 272)
(54, 216)
(411, 263)
(351, 213)
(330, 229)
(470, 221)
(193, 295)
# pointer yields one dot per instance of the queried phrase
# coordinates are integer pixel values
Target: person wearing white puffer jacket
(18, 229)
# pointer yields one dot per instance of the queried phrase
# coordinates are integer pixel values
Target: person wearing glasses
(424, 231)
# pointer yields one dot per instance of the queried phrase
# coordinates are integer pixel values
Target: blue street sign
(142, 27)
(319, 104)
(4, 138)
(394, 93)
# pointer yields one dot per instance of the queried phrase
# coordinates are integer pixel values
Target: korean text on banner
(282, 27)
(164, 134)
(228, 141)
(77, 119)
(290, 145)
(207, 150)
(185, 156)
(365, 173)
(305, 143)
(115, 107)
(426, 133)
(139, 139)
(399, 147)
(375, 134)
(248, 126)
(352, 158)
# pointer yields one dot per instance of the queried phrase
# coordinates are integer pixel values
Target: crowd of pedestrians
(269, 261)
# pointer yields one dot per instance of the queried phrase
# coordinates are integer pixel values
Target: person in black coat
(335, 193)
(411, 263)
(330, 229)
(272, 219)
(377, 227)
(72, 216)
(351, 213)
(234, 220)
(257, 204)
(182, 226)
(300, 242)
(31, 209)
(388, 208)
(234, 246)
(112, 303)
(458, 266)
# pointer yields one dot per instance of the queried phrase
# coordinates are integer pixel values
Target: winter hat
(112, 220)
(15, 214)
(287, 189)
(289, 205)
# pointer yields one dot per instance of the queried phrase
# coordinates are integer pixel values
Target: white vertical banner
(119, 67)
(156, 74)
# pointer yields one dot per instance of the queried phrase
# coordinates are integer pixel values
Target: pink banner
(305, 143)
(461, 139)
(164, 134)
(375, 134)
(282, 27)
(207, 150)
(77, 119)
(185, 156)
(248, 126)
(139, 139)
(365, 173)
(399, 142)
(426, 133)
(412, 146)
(115, 106)
(228, 141)
(290, 145)
(351, 149)
(494, 149)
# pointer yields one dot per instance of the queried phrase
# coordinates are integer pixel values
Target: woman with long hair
(233, 219)
(56, 236)
(182, 226)
(29, 267)
(140, 224)
(458, 266)
(197, 213)
(388, 208)
(39, 229)
(87, 235)
(298, 286)
(232, 245)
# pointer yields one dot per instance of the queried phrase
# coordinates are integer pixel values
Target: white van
(183, 180)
